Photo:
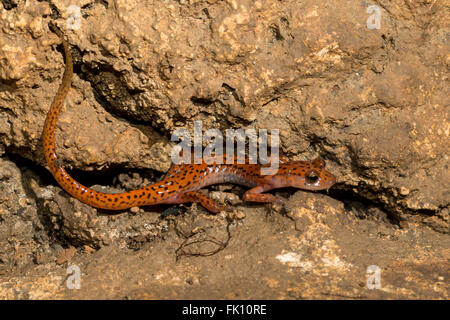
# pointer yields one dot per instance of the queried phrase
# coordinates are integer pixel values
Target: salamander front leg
(256, 195)
(208, 203)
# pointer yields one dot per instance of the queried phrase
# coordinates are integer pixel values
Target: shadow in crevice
(362, 207)
(31, 172)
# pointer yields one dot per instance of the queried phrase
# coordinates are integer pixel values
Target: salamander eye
(312, 177)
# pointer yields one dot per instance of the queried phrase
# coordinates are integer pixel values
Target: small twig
(180, 252)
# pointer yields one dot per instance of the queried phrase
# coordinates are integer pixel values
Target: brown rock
(373, 103)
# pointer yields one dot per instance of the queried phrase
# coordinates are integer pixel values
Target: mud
(372, 102)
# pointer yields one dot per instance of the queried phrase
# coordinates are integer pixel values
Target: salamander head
(311, 175)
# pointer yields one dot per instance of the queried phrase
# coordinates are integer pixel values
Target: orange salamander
(182, 182)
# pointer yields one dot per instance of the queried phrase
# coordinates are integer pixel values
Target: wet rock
(372, 102)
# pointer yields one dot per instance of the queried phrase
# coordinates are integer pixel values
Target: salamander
(182, 182)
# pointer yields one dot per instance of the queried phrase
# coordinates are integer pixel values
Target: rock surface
(373, 102)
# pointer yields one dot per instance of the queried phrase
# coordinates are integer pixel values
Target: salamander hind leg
(208, 203)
